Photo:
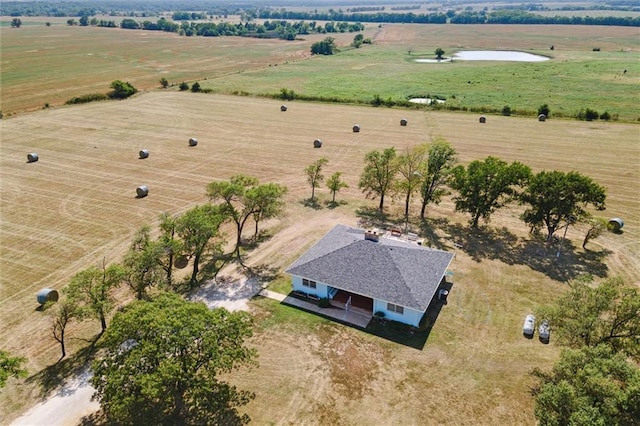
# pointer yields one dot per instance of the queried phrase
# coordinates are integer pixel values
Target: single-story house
(397, 277)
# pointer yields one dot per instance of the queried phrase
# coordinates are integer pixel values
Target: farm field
(77, 206)
(50, 65)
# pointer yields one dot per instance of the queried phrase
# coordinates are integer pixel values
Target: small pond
(490, 55)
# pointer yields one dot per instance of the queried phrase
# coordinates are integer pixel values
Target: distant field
(77, 205)
(43, 65)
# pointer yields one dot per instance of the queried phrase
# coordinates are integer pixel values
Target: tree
(121, 90)
(314, 175)
(335, 184)
(597, 225)
(84, 21)
(71, 22)
(243, 197)
(269, 202)
(484, 186)
(184, 86)
(170, 243)
(16, 23)
(90, 291)
(324, 47)
(142, 263)
(441, 158)
(607, 314)
(591, 386)
(11, 366)
(357, 40)
(195, 87)
(379, 174)
(439, 53)
(163, 361)
(411, 166)
(558, 198)
(61, 314)
(164, 83)
(197, 228)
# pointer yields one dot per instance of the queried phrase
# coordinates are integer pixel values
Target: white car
(543, 331)
(529, 326)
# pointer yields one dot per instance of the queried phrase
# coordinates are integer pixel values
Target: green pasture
(582, 79)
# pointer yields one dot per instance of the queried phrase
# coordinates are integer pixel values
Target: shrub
(506, 110)
(83, 99)
(195, 87)
(544, 109)
(164, 82)
(605, 116)
(591, 115)
(324, 303)
(121, 90)
(184, 86)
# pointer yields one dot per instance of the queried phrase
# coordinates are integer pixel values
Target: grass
(77, 206)
(53, 64)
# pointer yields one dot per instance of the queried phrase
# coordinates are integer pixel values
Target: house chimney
(372, 235)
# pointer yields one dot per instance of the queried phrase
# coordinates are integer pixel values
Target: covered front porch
(352, 302)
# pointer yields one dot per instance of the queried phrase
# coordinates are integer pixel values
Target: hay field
(77, 205)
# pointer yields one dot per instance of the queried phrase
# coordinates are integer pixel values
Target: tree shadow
(558, 260)
(334, 204)
(370, 217)
(263, 272)
(428, 228)
(312, 203)
(60, 375)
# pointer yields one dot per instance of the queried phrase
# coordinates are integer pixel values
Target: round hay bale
(193, 142)
(542, 117)
(615, 224)
(483, 119)
(283, 108)
(32, 157)
(181, 262)
(142, 191)
(144, 153)
(403, 122)
(47, 295)
(317, 143)
(356, 128)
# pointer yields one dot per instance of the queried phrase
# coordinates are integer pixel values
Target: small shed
(32, 157)
(615, 224)
(144, 153)
(142, 191)
(403, 122)
(482, 119)
(542, 117)
(193, 142)
(47, 295)
(317, 143)
(356, 128)
(283, 108)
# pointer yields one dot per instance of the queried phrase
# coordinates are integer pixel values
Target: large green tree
(604, 314)
(10, 366)
(314, 175)
(163, 360)
(378, 177)
(198, 229)
(411, 168)
(90, 290)
(142, 263)
(441, 158)
(556, 199)
(590, 386)
(486, 185)
(269, 203)
(242, 197)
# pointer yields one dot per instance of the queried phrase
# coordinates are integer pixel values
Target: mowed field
(77, 206)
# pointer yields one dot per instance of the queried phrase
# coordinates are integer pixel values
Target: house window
(395, 308)
(308, 283)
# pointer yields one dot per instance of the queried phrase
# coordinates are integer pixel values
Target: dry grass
(77, 205)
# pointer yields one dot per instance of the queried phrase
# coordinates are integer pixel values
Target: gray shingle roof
(395, 271)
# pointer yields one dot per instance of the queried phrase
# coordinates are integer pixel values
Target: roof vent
(372, 235)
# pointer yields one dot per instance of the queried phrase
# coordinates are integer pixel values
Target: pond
(490, 55)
